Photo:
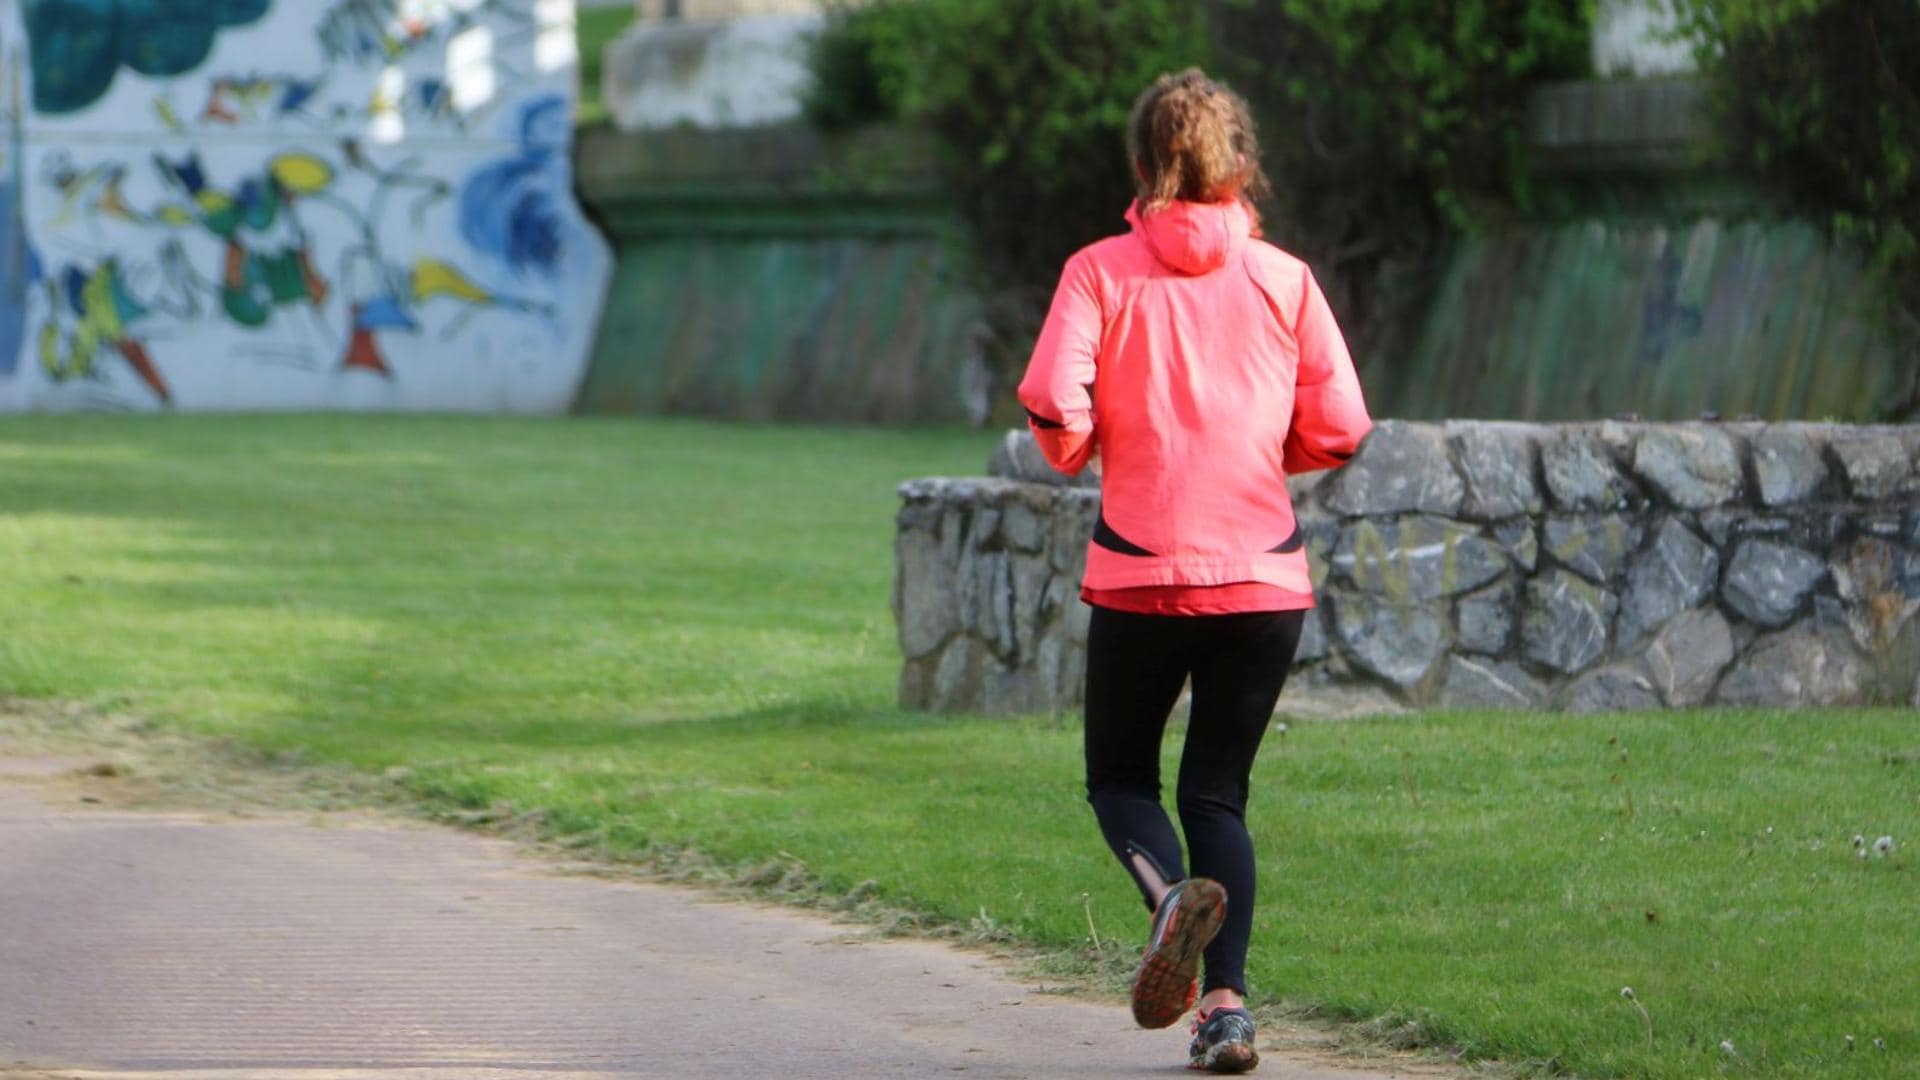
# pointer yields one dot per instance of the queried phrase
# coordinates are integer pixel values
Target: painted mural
(301, 204)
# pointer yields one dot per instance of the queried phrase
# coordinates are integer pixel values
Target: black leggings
(1136, 665)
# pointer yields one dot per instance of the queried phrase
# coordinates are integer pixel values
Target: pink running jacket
(1202, 365)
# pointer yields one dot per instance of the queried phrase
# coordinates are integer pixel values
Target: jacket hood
(1193, 237)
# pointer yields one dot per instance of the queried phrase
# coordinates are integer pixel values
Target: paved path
(136, 944)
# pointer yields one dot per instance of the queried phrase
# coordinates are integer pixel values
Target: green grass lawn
(669, 635)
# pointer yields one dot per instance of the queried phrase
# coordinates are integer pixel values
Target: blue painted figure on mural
(19, 263)
(78, 46)
(513, 209)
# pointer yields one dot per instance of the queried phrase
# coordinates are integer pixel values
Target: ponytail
(1192, 139)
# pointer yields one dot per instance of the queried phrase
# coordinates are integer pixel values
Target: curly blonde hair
(1191, 138)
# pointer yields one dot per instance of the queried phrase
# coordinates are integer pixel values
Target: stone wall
(1578, 566)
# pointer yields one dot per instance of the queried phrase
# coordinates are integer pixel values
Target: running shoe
(1165, 985)
(1223, 1042)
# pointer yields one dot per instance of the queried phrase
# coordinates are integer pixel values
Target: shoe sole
(1234, 1057)
(1163, 988)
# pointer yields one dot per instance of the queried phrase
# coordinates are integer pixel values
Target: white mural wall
(292, 204)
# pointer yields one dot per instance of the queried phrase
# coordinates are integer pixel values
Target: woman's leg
(1240, 664)
(1134, 673)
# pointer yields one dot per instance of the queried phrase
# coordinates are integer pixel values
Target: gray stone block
(1474, 682)
(916, 683)
(1788, 464)
(1313, 638)
(1416, 558)
(1497, 463)
(1074, 513)
(1725, 524)
(983, 528)
(1008, 688)
(1876, 464)
(1615, 688)
(1400, 468)
(1319, 535)
(1303, 488)
(1075, 613)
(1693, 467)
(1484, 621)
(1677, 571)
(924, 607)
(984, 588)
(919, 513)
(1021, 527)
(1596, 548)
(1878, 589)
(955, 682)
(1521, 541)
(1581, 474)
(1688, 655)
(1767, 581)
(1397, 642)
(1031, 612)
(1565, 622)
(1803, 665)
(1017, 457)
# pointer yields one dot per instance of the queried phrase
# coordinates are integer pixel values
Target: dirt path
(137, 943)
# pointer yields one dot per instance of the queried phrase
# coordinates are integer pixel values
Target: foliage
(1821, 99)
(1381, 120)
(1384, 121)
(846, 60)
(1028, 100)
(594, 29)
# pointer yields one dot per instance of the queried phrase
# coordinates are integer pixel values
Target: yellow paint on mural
(432, 277)
(302, 174)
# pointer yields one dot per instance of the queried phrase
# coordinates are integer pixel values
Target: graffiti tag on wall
(260, 204)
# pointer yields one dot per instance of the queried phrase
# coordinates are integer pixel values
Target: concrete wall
(1580, 566)
(1642, 282)
(284, 204)
(778, 274)
(1638, 38)
(734, 69)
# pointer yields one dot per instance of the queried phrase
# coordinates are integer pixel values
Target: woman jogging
(1202, 365)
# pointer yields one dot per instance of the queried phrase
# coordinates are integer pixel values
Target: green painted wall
(776, 275)
(1606, 314)
(1645, 283)
(779, 274)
